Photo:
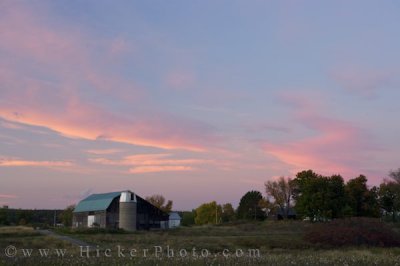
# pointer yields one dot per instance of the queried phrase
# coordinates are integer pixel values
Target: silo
(127, 211)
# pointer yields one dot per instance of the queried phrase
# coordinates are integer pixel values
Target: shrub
(89, 231)
(353, 232)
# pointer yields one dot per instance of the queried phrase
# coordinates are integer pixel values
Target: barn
(123, 209)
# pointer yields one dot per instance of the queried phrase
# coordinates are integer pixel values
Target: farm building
(174, 220)
(123, 209)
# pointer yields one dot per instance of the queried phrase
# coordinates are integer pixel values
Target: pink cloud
(8, 196)
(163, 168)
(364, 80)
(333, 146)
(4, 162)
(92, 122)
(145, 163)
(30, 98)
(104, 151)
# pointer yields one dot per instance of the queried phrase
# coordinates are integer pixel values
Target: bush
(353, 232)
(89, 231)
(188, 218)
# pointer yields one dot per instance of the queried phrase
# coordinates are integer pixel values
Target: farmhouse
(123, 209)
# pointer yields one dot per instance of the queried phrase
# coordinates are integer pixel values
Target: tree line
(309, 196)
(35, 218)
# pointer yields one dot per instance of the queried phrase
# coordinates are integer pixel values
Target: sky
(194, 100)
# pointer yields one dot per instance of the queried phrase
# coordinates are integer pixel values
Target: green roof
(96, 202)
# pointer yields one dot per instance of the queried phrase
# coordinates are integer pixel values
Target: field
(261, 243)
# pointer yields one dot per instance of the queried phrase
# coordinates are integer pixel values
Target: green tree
(389, 197)
(395, 175)
(228, 213)
(3, 216)
(158, 201)
(308, 194)
(281, 192)
(208, 213)
(188, 218)
(319, 197)
(335, 201)
(66, 215)
(363, 201)
(249, 206)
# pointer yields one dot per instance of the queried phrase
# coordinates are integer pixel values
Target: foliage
(208, 213)
(319, 197)
(40, 218)
(249, 206)
(89, 231)
(188, 218)
(395, 175)
(3, 216)
(353, 232)
(389, 198)
(66, 215)
(228, 213)
(158, 201)
(363, 201)
(281, 191)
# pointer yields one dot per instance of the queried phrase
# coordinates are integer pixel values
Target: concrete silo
(127, 211)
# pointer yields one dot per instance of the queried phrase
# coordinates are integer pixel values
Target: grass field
(278, 243)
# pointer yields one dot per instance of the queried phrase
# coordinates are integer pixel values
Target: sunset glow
(197, 101)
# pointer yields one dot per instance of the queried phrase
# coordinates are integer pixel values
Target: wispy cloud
(33, 98)
(365, 81)
(162, 168)
(145, 163)
(4, 162)
(104, 151)
(8, 196)
(333, 146)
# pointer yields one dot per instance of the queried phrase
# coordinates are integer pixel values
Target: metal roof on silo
(96, 202)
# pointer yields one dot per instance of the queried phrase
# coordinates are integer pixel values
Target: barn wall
(148, 216)
(80, 219)
(112, 220)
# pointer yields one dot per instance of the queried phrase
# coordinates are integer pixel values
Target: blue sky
(195, 100)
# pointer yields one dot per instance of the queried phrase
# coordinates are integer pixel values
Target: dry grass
(280, 243)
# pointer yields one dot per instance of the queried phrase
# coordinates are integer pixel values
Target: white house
(174, 220)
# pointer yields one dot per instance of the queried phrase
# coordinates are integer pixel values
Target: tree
(158, 201)
(249, 206)
(308, 194)
(3, 216)
(66, 215)
(395, 175)
(281, 191)
(188, 218)
(319, 197)
(208, 213)
(362, 200)
(335, 201)
(228, 213)
(389, 197)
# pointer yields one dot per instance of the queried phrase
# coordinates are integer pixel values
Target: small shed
(174, 220)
